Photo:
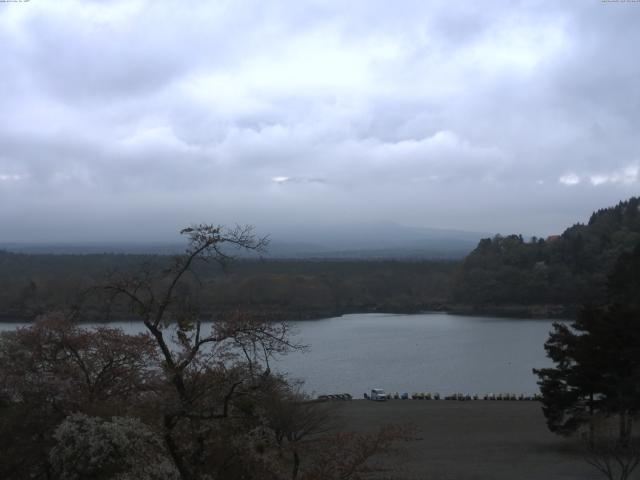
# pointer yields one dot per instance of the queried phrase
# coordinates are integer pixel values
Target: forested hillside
(570, 269)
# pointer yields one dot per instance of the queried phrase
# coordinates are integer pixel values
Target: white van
(378, 394)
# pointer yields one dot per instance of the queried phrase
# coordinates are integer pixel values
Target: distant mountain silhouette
(364, 240)
(373, 240)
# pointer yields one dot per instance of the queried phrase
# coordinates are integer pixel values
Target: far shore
(559, 312)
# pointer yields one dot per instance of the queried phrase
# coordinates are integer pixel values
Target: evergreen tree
(570, 390)
(597, 358)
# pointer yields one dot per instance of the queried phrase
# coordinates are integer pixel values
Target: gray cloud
(144, 116)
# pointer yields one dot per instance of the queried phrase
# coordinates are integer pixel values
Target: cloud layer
(126, 120)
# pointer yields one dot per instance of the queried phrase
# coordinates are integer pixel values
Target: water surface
(432, 352)
(425, 353)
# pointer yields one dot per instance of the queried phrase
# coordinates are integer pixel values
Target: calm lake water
(433, 352)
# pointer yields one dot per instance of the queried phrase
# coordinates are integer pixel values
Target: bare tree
(613, 458)
(615, 462)
(214, 372)
(348, 455)
(298, 422)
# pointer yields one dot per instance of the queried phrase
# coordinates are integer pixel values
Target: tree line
(31, 285)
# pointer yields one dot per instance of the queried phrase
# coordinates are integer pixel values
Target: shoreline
(515, 312)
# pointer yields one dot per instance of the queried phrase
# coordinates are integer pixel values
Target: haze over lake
(431, 352)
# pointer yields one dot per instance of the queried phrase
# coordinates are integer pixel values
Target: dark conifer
(597, 358)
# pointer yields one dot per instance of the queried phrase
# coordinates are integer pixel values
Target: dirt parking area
(479, 440)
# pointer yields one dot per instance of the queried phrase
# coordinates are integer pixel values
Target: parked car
(378, 394)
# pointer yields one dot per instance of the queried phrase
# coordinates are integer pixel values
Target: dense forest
(34, 284)
(566, 270)
(504, 274)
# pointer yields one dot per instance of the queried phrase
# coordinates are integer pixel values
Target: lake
(431, 352)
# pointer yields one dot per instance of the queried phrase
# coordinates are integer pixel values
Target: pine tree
(597, 359)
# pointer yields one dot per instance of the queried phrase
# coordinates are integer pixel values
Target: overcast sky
(127, 120)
